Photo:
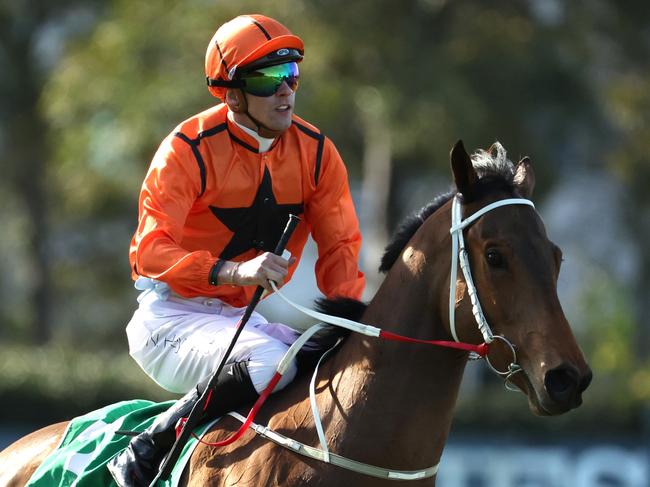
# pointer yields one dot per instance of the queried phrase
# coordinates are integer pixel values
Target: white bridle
(459, 253)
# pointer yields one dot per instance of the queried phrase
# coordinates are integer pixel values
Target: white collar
(264, 143)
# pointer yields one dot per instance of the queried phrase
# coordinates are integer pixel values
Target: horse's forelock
(493, 162)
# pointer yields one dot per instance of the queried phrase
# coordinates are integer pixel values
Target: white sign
(525, 466)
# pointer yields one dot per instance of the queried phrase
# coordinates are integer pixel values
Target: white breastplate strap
(324, 454)
(459, 253)
(334, 459)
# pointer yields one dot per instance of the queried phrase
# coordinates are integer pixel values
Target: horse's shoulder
(21, 459)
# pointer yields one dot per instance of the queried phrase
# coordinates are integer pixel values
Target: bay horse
(391, 404)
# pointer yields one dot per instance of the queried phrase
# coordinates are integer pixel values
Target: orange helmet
(244, 42)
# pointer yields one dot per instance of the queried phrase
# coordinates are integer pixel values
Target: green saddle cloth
(90, 442)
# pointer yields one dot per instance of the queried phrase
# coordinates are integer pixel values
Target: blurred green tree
(566, 83)
(621, 75)
(30, 32)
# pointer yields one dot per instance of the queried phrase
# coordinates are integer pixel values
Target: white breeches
(178, 342)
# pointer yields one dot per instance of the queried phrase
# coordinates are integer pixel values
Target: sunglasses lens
(266, 81)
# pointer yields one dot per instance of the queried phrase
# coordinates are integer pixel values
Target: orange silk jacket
(209, 193)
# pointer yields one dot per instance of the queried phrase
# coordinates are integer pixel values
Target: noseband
(459, 253)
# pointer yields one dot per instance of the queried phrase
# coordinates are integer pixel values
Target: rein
(459, 253)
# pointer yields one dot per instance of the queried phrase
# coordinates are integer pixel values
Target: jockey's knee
(263, 363)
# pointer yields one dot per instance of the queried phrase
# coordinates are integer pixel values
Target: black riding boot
(138, 465)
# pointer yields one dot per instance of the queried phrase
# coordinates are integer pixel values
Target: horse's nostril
(562, 384)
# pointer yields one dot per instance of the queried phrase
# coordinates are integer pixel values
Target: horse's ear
(465, 175)
(525, 178)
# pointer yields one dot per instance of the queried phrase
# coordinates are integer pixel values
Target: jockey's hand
(262, 269)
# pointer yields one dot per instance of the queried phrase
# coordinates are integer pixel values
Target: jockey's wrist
(223, 272)
(228, 273)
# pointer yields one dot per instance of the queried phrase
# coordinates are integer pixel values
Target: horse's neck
(398, 394)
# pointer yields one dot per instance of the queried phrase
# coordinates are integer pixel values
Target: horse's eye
(494, 258)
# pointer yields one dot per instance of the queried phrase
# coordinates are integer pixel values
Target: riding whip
(195, 415)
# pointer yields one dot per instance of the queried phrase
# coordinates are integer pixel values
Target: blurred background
(89, 88)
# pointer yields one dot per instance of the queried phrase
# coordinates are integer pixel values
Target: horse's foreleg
(19, 460)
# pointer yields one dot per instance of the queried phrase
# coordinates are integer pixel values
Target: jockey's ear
(525, 178)
(465, 175)
(235, 101)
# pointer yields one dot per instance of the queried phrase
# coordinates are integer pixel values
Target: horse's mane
(496, 173)
(349, 308)
(407, 229)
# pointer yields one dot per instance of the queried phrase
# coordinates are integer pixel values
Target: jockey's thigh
(179, 342)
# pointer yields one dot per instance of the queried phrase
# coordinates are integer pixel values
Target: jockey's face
(272, 112)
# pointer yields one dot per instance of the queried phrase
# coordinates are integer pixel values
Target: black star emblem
(260, 225)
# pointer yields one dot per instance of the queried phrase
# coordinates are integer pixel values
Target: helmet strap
(261, 129)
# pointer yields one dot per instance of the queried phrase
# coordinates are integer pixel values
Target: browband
(235, 83)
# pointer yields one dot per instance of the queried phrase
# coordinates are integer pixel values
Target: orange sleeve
(335, 229)
(169, 191)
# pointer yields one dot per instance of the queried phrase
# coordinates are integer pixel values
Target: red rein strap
(249, 419)
(481, 349)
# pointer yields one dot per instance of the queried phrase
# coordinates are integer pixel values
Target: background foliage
(89, 89)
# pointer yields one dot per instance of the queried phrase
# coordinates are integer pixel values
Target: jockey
(212, 208)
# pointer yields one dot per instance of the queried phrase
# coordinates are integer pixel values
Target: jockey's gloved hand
(262, 269)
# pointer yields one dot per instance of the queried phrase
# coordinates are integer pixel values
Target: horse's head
(515, 268)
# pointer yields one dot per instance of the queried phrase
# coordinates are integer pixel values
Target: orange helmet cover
(241, 41)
